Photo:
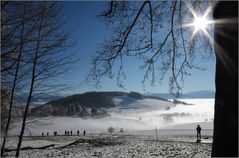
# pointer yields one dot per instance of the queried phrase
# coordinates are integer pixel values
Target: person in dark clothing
(84, 132)
(47, 134)
(71, 133)
(42, 134)
(78, 132)
(198, 133)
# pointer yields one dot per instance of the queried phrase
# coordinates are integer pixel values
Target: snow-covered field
(108, 146)
(176, 134)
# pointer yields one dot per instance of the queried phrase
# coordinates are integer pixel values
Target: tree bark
(225, 135)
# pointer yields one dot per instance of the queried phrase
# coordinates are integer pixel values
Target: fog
(148, 115)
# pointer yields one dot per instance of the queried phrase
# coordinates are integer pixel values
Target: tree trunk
(225, 136)
(14, 85)
(31, 88)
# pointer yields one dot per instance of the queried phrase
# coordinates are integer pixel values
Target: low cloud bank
(148, 115)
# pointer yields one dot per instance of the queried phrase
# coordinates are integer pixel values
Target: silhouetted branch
(152, 34)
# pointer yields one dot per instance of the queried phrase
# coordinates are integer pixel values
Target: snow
(123, 147)
(145, 104)
(138, 118)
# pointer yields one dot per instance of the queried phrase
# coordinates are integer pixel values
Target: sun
(200, 23)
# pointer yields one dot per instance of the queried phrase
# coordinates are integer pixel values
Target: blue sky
(88, 31)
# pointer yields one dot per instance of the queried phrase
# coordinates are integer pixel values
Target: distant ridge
(190, 95)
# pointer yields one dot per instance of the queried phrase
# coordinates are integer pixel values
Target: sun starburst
(200, 23)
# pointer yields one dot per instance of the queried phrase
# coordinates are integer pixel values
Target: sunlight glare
(200, 23)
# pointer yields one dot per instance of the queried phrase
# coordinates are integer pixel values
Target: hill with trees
(90, 104)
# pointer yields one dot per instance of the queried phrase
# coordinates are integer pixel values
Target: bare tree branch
(150, 35)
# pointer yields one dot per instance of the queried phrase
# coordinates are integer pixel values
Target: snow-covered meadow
(121, 147)
(175, 124)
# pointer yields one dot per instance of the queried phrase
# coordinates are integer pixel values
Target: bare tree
(111, 130)
(44, 61)
(33, 53)
(151, 32)
(14, 81)
(154, 33)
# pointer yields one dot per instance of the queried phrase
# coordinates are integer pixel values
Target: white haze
(131, 115)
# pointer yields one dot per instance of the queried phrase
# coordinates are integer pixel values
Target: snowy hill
(126, 102)
(96, 104)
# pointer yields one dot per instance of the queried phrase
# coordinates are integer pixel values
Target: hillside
(90, 100)
(84, 105)
(91, 104)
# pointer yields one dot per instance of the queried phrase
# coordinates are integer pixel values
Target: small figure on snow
(42, 134)
(198, 134)
(84, 132)
(78, 132)
(47, 134)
